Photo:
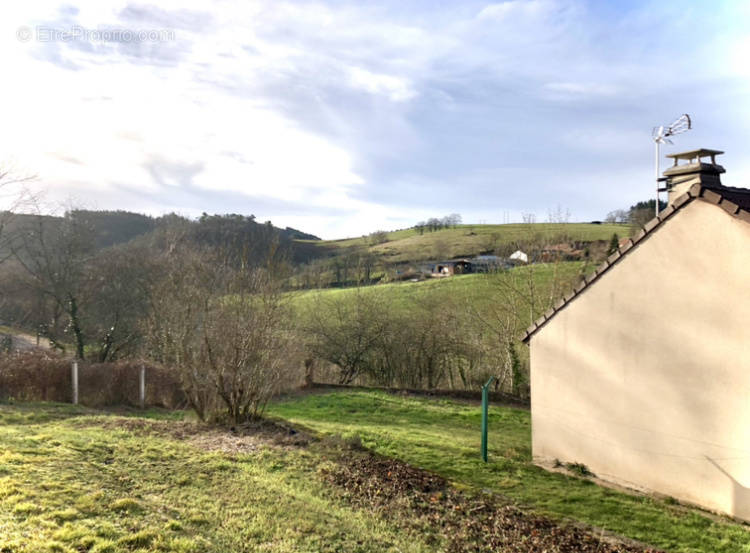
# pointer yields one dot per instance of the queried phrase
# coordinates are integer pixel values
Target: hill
(410, 245)
(106, 229)
(387, 256)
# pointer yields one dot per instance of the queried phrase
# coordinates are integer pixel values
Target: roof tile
(648, 227)
(683, 199)
(626, 246)
(729, 207)
(711, 196)
(667, 212)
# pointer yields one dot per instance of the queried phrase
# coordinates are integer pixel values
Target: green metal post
(485, 407)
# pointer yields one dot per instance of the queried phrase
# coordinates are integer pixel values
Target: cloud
(342, 118)
(395, 88)
(568, 89)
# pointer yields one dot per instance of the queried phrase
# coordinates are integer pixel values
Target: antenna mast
(661, 136)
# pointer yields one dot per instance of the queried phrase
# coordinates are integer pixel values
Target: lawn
(75, 480)
(443, 436)
(78, 480)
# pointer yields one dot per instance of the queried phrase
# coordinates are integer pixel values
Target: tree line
(434, 224)
(205, 299)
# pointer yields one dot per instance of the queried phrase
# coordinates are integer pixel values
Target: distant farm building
(643, 372)
(519, 256)
(465, 266)
(453, 267)
(489, 263)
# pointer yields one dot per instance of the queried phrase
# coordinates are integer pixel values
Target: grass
(477, 291)
(74, 480)
(408, 245)
(443, 436)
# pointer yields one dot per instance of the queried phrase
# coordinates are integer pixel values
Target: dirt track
(27, 342)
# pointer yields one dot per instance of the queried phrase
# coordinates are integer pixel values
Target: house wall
(645, 376)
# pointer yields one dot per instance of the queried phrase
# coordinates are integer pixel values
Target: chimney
(680, 177)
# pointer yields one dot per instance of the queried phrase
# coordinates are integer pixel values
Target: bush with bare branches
(224, 332)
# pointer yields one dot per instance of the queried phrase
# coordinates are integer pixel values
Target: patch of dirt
(245, 438)
(468, 523)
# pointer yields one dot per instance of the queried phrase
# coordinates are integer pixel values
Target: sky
(343, 118)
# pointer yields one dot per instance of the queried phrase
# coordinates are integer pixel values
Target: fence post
(485, 405)
(142, 386)
(74, 378)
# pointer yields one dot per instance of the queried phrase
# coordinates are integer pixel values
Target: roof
(735, 201)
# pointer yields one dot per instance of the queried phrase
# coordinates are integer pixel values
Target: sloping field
(467, 240)
(74, 480)
(476, 291)
(443, 436)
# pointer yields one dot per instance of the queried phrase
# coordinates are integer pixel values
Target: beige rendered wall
(645, 377)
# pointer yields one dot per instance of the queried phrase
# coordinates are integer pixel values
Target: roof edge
(711, 195)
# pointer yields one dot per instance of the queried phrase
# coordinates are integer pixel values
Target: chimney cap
(696, 154)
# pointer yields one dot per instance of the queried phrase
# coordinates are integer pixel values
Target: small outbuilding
(642, 373)
(519, 256)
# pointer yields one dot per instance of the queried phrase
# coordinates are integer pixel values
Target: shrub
(45, 376)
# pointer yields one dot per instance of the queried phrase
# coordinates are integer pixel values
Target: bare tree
(224, 331)
(558, 215)
(377, 237)
(55, 254)
(518, 300)
(345, 330)
(528, 218)
(8, 177)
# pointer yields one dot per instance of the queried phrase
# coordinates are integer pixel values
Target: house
(642, 373)
(519, 256)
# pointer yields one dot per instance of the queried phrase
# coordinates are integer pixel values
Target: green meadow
(78, 480)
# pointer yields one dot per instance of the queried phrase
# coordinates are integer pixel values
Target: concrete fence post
(74, 379)
(142, 387)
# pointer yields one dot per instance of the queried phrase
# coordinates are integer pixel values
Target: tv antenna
(661, 136)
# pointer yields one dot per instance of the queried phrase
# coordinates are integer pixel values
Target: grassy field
(408, 245)
(443, 436)
(73, 480)
(474, 293)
